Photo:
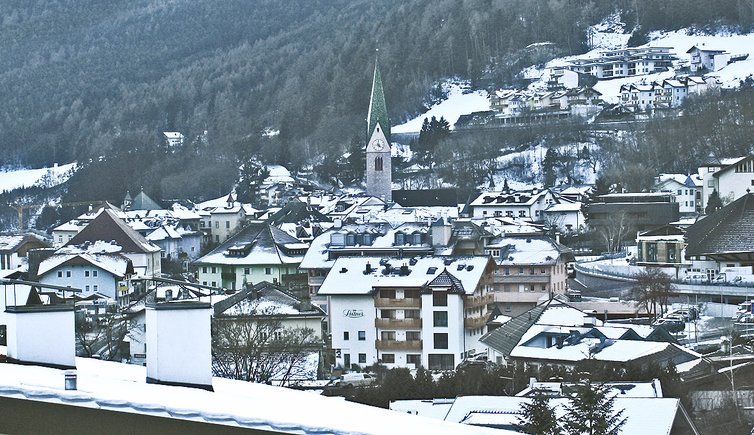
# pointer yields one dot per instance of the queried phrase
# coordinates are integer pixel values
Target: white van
(353, 380)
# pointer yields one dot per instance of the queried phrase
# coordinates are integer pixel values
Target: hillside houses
(562, 102)
(625, 62)
(667, 94)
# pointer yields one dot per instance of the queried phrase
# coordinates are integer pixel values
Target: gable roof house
(178, 243)
(709, 59)
(734, 180)
(522, 204)
(14, 250)
(686, 188)
(556, 333)
(259, 252)
(724, 237)
(645, 414)
(107, 227)
(223, 217)
(97, 268)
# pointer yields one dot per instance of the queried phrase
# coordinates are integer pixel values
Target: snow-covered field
(15, 179)
(460, 101)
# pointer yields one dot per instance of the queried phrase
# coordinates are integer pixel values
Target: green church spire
(377, 108)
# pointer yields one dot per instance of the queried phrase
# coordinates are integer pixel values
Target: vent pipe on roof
(70, 380)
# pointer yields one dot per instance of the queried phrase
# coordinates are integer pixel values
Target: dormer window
(400, 239)
(417, 239)
(367, 239)
(350, 239)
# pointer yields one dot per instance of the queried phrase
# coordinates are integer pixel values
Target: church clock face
(378, 144)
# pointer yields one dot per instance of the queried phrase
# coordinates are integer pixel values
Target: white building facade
(427, 311)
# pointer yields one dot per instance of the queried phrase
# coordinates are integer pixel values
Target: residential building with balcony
(527, 269)
(406, 312)
(625, 62)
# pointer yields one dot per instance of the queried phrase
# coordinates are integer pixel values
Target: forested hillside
(99, 81)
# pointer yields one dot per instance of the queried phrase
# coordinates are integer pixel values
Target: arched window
(378, 163)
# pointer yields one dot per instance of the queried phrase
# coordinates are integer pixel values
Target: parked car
(672, 324)
(685, 314)
(349, 380)
(696, 277)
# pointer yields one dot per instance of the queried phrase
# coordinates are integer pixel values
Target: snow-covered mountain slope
(461, 101)
(47, 177)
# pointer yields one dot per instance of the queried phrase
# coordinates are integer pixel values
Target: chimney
(36, 257)
(40, 334)
(179, 343)
(404, 270)
(306, 304)
(441, 232)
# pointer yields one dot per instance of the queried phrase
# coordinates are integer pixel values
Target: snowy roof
(72, 225)
(349, 275)
(108, 227)
(278, 174)
(165, 232)
(651, 388)
(112, 386)
(501, 226)
(184, 214)
(617, 351)
(13, 243)
(530, 250)
(114, 263)
(382, 239)
(433, 408)
(501, 198)
(564, 207)
(173, 134)
(265, 299)
(649, 416)
(257, 243)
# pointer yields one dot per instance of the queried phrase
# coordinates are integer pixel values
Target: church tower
(379, 169)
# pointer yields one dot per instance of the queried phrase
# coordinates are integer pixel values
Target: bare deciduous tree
(613, 231)
(259, 348)
(653, 288)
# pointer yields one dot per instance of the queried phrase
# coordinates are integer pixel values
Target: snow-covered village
(515, 218)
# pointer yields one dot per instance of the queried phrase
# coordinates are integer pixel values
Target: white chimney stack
(42, 334)
(179, 343)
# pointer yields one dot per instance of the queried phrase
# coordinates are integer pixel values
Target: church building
(379, 168)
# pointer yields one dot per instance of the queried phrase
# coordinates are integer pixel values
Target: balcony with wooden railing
(316, 281)
(397, 303)
(398, 345)
(475, 322)
(537, 278)
(479, 301)
(398, 323)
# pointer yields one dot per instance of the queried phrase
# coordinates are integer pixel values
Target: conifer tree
(537, 417)
(591, 411)
(548, 168)
(714, 202)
